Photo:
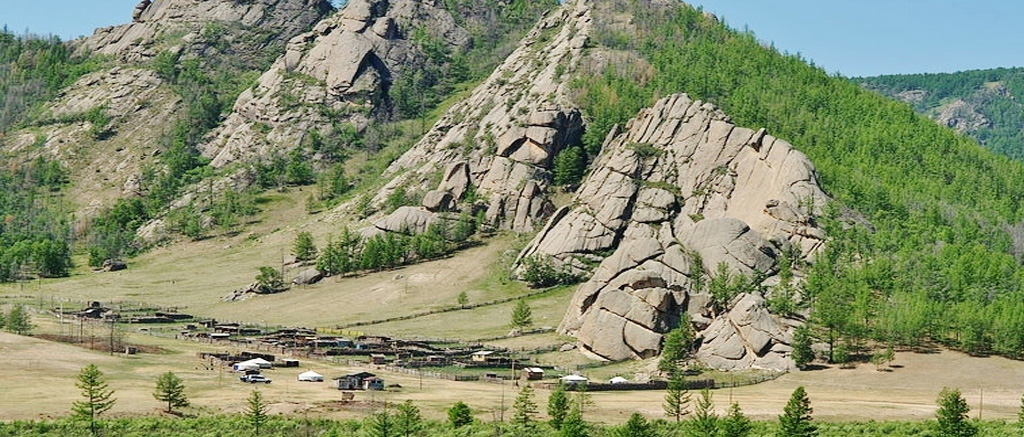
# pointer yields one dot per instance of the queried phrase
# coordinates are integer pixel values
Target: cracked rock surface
(156, 20)
(338, 72)
(681, 180)
(501, 140)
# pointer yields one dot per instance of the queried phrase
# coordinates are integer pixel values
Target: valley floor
(39, 379)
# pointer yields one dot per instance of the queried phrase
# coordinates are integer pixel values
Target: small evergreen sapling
(171, 390)
(795, 420)
(98, 397)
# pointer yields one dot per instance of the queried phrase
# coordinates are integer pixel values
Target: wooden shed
(533, 373)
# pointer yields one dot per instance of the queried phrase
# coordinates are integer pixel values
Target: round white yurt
(311, 376)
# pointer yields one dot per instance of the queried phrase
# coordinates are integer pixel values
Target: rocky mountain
(689, 211)
(678, 192)
(202, 26)
(499, 142)
(340, 72)
(983, 104)
(107, 127)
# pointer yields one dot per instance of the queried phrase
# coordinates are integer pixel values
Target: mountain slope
(499, 143)
(339, 73)
(924, 234)
(984, 104)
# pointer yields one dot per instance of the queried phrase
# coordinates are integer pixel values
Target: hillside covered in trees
(983, 104)
(925, 231)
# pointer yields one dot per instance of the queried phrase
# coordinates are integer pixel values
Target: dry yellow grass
(39, 382)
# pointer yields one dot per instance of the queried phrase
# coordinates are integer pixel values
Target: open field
(39, 383)
(195, 276)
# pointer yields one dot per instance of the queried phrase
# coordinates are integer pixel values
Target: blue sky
(853, 37)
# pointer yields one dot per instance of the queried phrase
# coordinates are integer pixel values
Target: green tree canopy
(256, 411)
(171, 390)
(304, 248)
(460, 415)
(558, 406)
(522, 315)
(951, 417)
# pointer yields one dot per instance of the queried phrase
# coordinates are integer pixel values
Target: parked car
(253, 379)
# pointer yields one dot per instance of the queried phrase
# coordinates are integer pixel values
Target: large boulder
(677, 193)
(407, 220)
(748, 336)
(308, 277)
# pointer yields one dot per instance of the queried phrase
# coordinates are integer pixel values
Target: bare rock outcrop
(157, 22)
(500, 141)
(681, 181)
(337, 73)
(962, 116)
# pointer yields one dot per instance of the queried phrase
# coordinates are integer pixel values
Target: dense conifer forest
(983, 103)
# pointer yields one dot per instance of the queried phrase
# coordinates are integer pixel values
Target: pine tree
(460, 415)
(269, 279)
(570, 164)
(636, 426)
(802, 353)
(408, 421)
(705, 421)
(677, 396)
(952, 415)
(524, 406)
(796, 418)
(677, 345)
(574, 426)
(582, 398)
(18, 320)
(462, 299)
(735, 424)
(522, 316)
(171, 390)
(329, 261)
(1020, 417)
(256, 411)
(558, 406)
(381, 424)
(304, 249)
(97, 396)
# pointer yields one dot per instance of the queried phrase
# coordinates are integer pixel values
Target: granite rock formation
(681, 180)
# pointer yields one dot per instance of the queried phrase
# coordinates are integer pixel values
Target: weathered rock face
(501, 140)
(747, 336)
(337, 73)
(682, 180)
(963, 116)
(159, 19)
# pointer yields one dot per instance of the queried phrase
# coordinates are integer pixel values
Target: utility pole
(112, 322)
(981, 403)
